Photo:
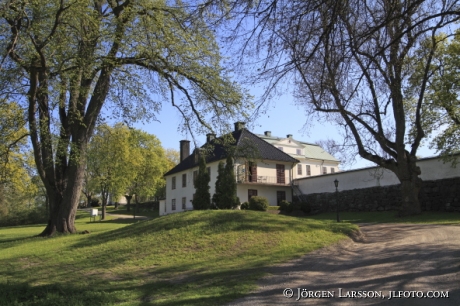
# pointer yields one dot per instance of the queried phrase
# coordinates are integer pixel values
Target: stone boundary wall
(435, 195)
(432, 169)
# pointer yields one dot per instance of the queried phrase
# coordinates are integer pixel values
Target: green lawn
(192, 258)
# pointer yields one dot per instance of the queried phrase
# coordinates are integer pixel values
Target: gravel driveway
(400, 260)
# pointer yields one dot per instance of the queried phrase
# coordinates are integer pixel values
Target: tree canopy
(66, 60)
(441, 108)
(348, 63)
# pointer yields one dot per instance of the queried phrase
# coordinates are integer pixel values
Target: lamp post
(336, 183)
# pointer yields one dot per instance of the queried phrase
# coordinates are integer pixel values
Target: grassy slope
(193, 258)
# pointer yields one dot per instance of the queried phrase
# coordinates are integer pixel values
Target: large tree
(441, 107)
(108, 163)
(348, 62)
(66, 59)
(148, 163)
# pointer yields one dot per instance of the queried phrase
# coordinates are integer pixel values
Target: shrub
(95, 202)
(305, 207)
(258, 203)
(244, 205)
(285, 206)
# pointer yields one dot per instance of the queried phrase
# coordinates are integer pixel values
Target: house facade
(313, 160)
(260, 169)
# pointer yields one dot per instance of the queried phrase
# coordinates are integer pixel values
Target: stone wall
(435, 195)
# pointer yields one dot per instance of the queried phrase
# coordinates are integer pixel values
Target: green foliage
(305, 207)
(220, 187)
(225, 192)
(258, 203)
(441, 105)
(95, 202)
(245, 205)
(202, 198)
(75, 63)
(285, 206)
(125, 160)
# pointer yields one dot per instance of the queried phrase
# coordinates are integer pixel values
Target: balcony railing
(262, 179)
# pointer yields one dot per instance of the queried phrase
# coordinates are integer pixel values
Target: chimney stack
(184, 149)
(210, 137)
(239, 126)
(268, 133)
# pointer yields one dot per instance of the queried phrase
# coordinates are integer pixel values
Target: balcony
(262, 179)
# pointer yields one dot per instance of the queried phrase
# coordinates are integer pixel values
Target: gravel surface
(400, 260)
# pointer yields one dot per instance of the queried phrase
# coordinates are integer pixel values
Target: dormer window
(298, 151)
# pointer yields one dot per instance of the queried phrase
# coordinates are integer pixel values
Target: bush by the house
(285, 206)
(244, 205)
(305, 207)
(258, 203)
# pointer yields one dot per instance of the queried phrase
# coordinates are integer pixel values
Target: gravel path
(387, 259)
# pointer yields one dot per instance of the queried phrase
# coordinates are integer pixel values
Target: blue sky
(282, 117)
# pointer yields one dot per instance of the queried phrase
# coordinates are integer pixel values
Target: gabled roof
(247, 145)
(312, 150)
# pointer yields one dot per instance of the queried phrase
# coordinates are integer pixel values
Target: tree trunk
(410, 202)
(128, 200)
(105, 195)
(63, 206)
(411, 184)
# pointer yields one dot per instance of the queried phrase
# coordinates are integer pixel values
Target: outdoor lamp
(336, 183)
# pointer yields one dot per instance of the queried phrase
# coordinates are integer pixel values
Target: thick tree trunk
(128, 200)
(410, 202)
(411, 184)
(63, 206)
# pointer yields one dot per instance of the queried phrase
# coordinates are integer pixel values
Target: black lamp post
(336, 183)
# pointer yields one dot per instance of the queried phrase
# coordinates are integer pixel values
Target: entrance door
(280, 176)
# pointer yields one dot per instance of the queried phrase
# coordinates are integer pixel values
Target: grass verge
(391, 217)
(192, 258)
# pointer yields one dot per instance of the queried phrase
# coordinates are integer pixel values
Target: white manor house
(265, 166)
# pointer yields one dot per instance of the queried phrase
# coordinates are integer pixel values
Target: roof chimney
(239, 126)
(184, 149)
(210, 137)
(268, 133)
(289, 136)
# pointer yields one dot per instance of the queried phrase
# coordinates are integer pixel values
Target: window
(184, 180)
(252, 172)
(281, 148)
(299, 151)
(280, 196)
(280, 176)
(324, 170)
(184, 201)
(299, 169)
(173, 182)
(173, 204)
(332, 170)
(308, 170)
(251, 193)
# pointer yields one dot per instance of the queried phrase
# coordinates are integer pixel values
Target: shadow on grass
(55, 294)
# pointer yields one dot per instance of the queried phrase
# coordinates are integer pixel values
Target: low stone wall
(436, 195)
